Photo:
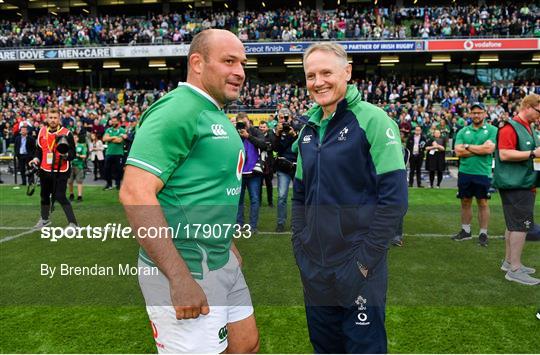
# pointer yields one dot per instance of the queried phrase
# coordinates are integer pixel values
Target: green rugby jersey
(187, 141)
(477, 164)
(115, 148)
(80, 149)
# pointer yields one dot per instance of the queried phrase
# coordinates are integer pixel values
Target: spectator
(253, 140)
(77, 169)
(96, 148)
(25, 146)
(416, 145)
(435, 158)
(516, 178)
(114, 137)
(474, 146)
(285, 163)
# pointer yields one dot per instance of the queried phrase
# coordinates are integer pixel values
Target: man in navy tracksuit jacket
(350, 193)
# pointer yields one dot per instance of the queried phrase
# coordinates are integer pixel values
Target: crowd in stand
(364, 22)
(428, 114)
(412, 102)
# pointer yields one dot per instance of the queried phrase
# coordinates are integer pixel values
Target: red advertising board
(457, 45)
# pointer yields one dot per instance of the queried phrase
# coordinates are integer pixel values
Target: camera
(62, 144)
(286, 127)
(240, 125)
(33, 169)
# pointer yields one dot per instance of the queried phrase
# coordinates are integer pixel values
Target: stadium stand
(279, 25)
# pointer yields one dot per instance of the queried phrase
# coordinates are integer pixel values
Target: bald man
(183, 176)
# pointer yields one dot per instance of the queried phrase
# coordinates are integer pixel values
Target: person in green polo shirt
(184, 176)
(474, 146)
(114, 138)
(77, 169)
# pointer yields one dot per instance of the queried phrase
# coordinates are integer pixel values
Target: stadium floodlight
(434, 64)
(83, 70)
(1, 1)
(111, 64)
(441, 58)
(536, 57)
(263, 4)
(70, 65)
(27, 66)
(149, 1)
(85, 10)
(226, 6)
(387, 64)
(389, 59)
(488, 58)
(157, 63)
(349, 60)
(252, 62)
(293, 61)
(122, 69)
(480, 63)
(42, 71)
(166, 68)
(530, 63)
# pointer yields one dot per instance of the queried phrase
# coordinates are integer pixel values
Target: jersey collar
(202, 92)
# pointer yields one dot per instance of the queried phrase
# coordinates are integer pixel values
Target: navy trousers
(345, 310)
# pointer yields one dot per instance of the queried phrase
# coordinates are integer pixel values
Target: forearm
(480, 150)
(143, 212)
(514, 155)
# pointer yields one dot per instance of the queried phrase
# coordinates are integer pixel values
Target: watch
(532, 155)
(466, 146)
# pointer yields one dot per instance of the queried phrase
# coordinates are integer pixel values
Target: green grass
(443, 297)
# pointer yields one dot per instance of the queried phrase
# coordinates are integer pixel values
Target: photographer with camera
(285, 163)
(253, 140)
(268, 166)
(55, 150)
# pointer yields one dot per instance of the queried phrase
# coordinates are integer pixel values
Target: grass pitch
(443, 297)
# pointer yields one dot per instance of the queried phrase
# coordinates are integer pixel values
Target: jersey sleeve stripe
(144, 164)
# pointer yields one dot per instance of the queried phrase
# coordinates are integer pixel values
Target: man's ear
(195, 63)
(348, 69)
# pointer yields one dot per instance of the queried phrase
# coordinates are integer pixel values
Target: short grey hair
(331, 47)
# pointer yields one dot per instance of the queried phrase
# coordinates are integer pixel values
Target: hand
(537, 152)
(489, 144)
(34, 161)
(188, 299)
(292, 132)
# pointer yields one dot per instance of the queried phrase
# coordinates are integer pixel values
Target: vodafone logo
(468, 45)
(240, 165)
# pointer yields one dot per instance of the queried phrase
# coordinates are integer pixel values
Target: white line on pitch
(7, 239)
(14, 228)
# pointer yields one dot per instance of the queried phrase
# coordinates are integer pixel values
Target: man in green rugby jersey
(185, 168)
